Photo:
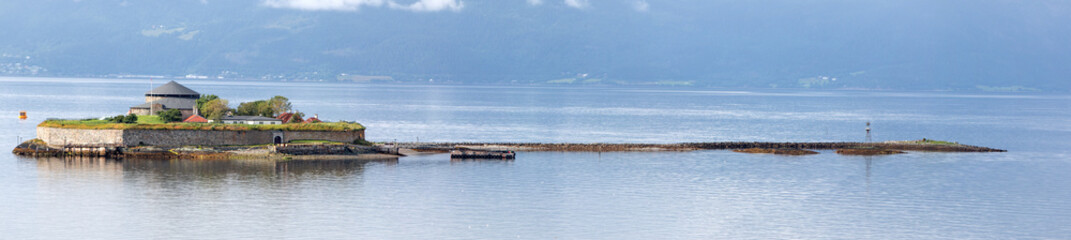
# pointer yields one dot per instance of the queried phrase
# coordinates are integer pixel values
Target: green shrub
(171, 115)
(130, 118)
(122, 119)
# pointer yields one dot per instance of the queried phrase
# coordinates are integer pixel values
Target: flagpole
(151, 97)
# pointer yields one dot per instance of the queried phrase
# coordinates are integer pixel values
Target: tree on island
(265, 108)
(212, 107)
(170, 115)
(279, 105)
(215, 109)
(256, 108)
(201, 102)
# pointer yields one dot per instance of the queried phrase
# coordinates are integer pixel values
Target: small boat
(22, 114)
(485, 154)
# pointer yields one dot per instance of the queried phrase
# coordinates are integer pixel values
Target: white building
(250, 120)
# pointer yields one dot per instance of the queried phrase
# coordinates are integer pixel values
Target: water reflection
(869, 162)
(204, 169)
(481, 160)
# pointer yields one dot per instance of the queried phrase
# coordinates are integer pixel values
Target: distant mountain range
(999, 45)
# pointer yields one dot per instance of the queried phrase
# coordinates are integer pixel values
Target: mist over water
(541, 195)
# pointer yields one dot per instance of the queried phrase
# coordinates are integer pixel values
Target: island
(176, 122)
(169, 124)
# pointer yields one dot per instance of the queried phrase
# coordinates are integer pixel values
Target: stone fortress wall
(111, 137)
(80, 137)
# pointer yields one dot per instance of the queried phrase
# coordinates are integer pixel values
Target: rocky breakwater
(867, 151)
(777, 151)
(921, 145)
(548, 147)
(749, 147)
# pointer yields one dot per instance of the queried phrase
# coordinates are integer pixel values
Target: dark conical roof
(172, 88)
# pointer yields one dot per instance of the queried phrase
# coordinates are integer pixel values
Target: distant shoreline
(1015, 89)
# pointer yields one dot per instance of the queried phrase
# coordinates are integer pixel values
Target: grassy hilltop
(150, 123)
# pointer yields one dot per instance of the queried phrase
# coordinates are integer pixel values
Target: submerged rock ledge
(634, 147)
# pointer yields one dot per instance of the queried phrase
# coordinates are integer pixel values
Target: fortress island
(176, 122)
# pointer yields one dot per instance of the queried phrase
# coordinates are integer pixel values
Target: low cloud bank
(354, 5)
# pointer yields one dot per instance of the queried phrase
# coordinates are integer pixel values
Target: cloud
(430, 5)
(354, 5)
(580, 4)
(535, 2)
(640, 5)
(322, 5)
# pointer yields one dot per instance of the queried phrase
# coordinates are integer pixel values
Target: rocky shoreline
(37, 148)
(347, 151)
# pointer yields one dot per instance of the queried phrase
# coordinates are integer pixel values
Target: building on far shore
(250, 120)
(169, 96)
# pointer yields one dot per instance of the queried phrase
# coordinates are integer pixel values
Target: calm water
(690, 195)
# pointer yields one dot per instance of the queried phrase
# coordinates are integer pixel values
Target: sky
(714, 43)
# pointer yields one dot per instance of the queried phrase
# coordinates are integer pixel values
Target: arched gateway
(277, 137)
